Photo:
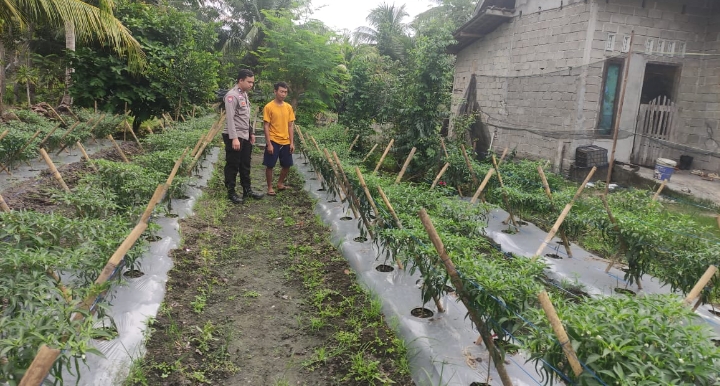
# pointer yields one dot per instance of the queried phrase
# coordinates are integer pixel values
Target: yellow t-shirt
(279, 117)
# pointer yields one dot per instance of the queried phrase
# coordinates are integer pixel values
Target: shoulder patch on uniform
(243, 104)
(230, 98)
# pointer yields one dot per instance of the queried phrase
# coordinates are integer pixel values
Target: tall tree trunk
(70, 46)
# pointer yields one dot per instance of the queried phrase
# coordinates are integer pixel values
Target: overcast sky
(350, 14)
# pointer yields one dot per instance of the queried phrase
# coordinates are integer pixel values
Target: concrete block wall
(544, 71)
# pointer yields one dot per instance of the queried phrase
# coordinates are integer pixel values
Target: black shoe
(249, 193)
(234, 198)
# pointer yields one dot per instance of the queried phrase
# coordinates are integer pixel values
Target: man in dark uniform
(239, 137)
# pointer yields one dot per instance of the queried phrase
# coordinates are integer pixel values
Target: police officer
(239, 137)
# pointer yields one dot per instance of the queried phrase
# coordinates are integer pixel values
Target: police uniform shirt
(237, 108)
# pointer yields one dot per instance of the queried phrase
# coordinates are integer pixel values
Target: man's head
(281, 91)
(245, 79)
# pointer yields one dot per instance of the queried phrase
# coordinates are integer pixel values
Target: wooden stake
(502, 157)
(440, 174)
(660, 189)
(338, 180)
(548, 193)
(48, 135)
(117, 147)
(67, 132)
(57, 115)
(442, 144)
(695, 292)
(134, 136)
(367, 192)
(53, 169)
(482, 186)
(564, 214)
(353, 198)
(315, 143)
(86, 156)
(399, 225)
(370, 152)
(175, 168)
(193, 111)
(40, 366)
(405, 165)
(154, 200)
(387, 149)
(560, 333)
(469, 165)
(354, 142)
(3, 205)
(616, 228)
(460, 290)
(4, 134)
(616, 129)
(199, 143)
(504, 194)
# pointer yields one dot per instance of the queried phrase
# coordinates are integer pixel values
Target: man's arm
(268, 144)
(291, 134)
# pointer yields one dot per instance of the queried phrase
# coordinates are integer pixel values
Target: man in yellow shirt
(278, 119)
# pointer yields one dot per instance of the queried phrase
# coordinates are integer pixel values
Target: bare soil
(259, 296)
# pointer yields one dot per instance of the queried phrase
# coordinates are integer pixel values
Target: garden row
(654, 339)
(57, 266)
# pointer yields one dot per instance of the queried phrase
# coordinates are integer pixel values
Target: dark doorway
(660, 80)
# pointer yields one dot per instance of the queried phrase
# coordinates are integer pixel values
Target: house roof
(488, 15)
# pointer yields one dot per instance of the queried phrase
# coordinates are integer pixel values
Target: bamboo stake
(4, 134)
(53, 169)
(67, 132)
(442, 144)
(367, 192)
(560, 333)
(660, 189)
(175, 168)
(616, 129)
(27, 144)
(548, 193)
(502, 157)
(695, 292)
(40, 366)
(399, 225)
(387, 149)
(206, 141)
(86, 156)
(564, 214)
(370, 152)
(353, 197)
(718, 220)
(459, 287)
(73, 113)
(440, 174)
(482, 186)
(338, 180)
(623, 245)
(3, 205)
(315, 143)
(198, 144)
(405, 165)
(119, 150)
(48, 135)
(504, 194)
(193, 111)
(134, 136)
(354, 142)
(469, 165)
(156, 197)
(57, 115)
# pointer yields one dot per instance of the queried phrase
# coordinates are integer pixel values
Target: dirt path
(258, 296)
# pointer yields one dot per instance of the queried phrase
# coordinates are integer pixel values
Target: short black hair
(244, 73)
(284, 85)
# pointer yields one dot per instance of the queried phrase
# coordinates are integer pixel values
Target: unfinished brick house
(546, 76)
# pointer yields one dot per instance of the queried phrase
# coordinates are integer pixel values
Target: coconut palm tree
(387, 30)
(80, 20)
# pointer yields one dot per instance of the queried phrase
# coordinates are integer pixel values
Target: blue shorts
(281, 152)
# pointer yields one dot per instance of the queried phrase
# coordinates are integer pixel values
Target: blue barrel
(664, 169)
